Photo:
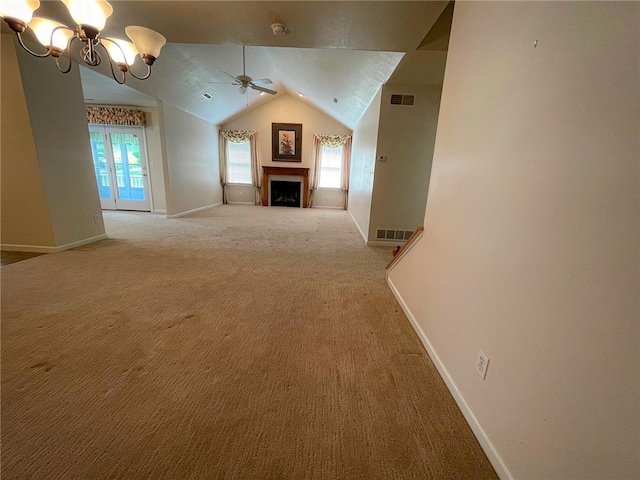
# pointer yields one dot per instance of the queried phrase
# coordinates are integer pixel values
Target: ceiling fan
(243, 81)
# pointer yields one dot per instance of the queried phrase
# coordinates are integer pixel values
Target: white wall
(531, 244)
(59, 128)
(154, 152)
(190, 160)
(286, 109)
(25, 213)
(363, 164)
(406, 137)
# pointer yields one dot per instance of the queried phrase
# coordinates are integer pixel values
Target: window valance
(333, 141)
(237, 136)
(115, 116)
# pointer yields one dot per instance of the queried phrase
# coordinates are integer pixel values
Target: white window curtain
(331, 141)
(241, 136)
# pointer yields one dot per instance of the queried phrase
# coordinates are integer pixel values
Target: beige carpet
(237, 343)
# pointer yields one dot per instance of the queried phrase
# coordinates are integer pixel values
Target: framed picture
(287, 142)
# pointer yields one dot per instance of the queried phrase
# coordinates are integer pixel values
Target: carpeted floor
(237, 343)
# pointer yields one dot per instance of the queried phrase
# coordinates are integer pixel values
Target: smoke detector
(278, 28)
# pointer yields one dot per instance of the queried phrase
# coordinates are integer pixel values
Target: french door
(120, 163)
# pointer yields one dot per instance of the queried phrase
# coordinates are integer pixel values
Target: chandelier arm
(68, 54)
(62, 27)
(113, 72)
(35, 54)
(141, 78)
(63, 70)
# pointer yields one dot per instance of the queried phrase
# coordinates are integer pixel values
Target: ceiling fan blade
(231, 76)
(262, 89)
(262, 81)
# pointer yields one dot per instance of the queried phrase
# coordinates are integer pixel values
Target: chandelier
(90, 17)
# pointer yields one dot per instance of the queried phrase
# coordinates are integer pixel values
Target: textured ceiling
(336, 53)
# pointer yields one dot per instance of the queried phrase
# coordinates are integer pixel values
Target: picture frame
(286, 142)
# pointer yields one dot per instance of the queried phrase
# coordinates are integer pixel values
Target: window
(239, 163)
(330, 167)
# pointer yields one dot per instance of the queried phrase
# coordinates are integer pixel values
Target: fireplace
(296, 175)
(285, 193)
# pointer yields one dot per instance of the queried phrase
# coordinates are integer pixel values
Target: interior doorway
(120, 164)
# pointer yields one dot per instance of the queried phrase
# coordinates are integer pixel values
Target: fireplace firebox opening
(285, 194)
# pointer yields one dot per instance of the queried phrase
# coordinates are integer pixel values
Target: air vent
(398, 99)
(393, 234)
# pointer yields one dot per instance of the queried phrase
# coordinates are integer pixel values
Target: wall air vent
(398, 99)
(393, 234)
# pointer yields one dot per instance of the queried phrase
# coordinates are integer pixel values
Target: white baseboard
(46, 249)
(241, 203)
(486, 444)
(195, 210)
(8, 247)
(79, 243)
(364, 237)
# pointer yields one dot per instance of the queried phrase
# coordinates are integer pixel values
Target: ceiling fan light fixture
(279, 28)
(244, 81)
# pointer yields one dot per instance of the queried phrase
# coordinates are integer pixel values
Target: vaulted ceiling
(336, 53)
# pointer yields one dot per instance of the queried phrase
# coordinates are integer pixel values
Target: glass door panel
(101, 168)
(129, 172)
(126, 166)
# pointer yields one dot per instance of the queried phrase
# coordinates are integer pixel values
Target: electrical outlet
(96, 219)
(482, 364)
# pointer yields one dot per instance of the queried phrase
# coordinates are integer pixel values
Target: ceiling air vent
(398, 99)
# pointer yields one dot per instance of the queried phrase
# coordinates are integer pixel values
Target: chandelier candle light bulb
(146, 41)
(121, 51)
(17, 13)
(92, 13)
(51, 34)
(91, 17)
